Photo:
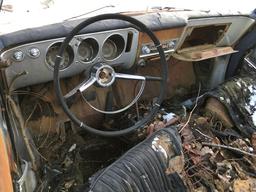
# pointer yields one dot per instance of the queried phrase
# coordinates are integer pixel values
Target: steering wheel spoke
(137, 77)
(81, 87)
(153, 78)
(128, 76)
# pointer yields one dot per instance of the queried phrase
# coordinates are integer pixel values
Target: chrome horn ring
(104, 75)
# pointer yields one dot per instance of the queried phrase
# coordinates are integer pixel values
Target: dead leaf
(187, 135)
(201, 121)
(206, 150)
(194, 154)
(69, 184)
(176, 165)
(248, 185)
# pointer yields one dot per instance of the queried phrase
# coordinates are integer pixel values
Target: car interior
(160, 100)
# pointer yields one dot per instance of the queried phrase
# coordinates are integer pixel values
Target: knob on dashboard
(34, 52)
(18, 55)
(145, 49)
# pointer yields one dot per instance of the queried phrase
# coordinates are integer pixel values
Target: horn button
(104, 74)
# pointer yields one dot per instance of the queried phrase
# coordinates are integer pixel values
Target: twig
(203, 134)
(191, 112)
(229, 147)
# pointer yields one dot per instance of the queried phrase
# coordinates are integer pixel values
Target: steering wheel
(104, 75)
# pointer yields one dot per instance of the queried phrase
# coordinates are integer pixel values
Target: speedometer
(88, 50)
(67, 59)
(109, 50)
(113, 47)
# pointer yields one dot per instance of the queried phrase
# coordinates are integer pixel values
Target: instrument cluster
(87, 50)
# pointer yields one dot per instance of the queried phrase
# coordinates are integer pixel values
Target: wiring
(191, 112)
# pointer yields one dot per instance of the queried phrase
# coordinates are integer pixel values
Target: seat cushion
(153, 165)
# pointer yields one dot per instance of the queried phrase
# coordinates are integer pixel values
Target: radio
(149, 49)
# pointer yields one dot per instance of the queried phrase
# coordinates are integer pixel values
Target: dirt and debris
(71, 160)
(214, 162)
(215, 155)
(218, 139)
(244, 185)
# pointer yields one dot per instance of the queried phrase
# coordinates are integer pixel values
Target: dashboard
(36, 60)
(33, 63)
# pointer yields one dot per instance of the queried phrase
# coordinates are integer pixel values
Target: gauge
(18, 56)
(34, 52)
(68, 56)
(113, 47)
(88, 50)
(109, 50)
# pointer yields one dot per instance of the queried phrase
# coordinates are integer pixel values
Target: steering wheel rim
(143, 28)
